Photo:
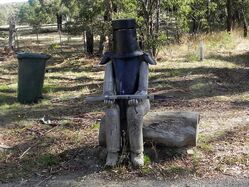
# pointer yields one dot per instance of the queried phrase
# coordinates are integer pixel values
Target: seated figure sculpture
(126, 73)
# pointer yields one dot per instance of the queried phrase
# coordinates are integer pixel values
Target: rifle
(125, 97)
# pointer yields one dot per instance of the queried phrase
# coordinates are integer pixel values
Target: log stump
(171, 129)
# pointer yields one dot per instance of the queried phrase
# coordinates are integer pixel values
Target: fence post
(12, 28)
(202, 56)
(17, 39)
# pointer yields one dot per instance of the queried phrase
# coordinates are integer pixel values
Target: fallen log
(171, 129)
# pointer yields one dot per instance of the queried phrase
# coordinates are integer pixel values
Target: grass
(147, 160)
(206, 147)
(217, 88)
(190, 57)
(96, 125)
(47, 160)
(235, 159)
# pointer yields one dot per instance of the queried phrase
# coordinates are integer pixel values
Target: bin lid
(32, 55)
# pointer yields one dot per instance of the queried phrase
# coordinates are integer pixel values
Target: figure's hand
(133, 102)
(137, 101)
(109, 102)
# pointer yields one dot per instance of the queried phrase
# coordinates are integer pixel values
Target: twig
(20, 157)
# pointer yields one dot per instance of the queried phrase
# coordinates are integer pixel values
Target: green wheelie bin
(31, 72)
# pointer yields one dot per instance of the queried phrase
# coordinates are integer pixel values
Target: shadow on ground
(238, 59)
(201, 82)
(83, 161)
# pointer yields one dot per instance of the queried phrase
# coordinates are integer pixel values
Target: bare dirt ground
(65, 151)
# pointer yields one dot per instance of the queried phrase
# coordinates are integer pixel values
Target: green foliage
(181, 9)
(7, 10)
(96, 126)
(53, 47)
(34, 14)
(147, 160)
(128, 9)
(37, 12)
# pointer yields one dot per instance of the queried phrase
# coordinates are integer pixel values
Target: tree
(243, 7)
(229, 15)
(34, 14)
(88, 17)
(94, 18)
(7, 10)
(57, 9)
(200, 16)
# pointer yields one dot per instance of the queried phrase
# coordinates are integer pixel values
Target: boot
(112, 159)
(137, 159)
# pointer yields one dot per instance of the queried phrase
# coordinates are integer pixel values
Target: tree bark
(89, 41)
(194, 26)
(245, 24)
(208, 16)
(101, 43)
(59, 22)
(229, 15)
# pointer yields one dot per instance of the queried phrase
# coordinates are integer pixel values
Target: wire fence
(46, 35)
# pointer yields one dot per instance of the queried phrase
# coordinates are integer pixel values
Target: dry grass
(217, 88)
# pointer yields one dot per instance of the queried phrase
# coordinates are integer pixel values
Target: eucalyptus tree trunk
(244, 7)
(89, 41)
(229, 15)
(59, 22)
(245, 23)
(208, 16)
